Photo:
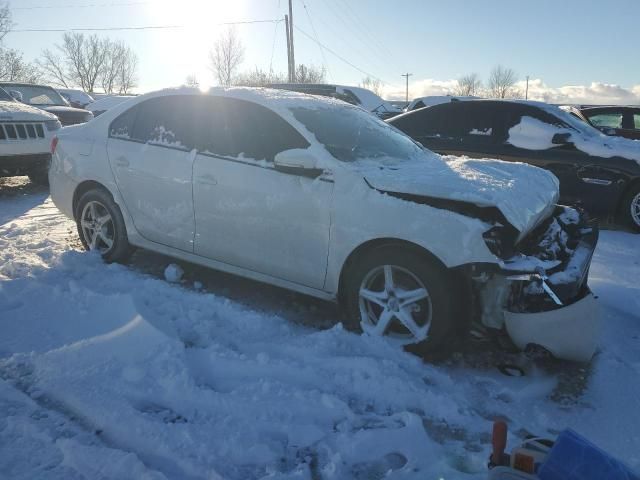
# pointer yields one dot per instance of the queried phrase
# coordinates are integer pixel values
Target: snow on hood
(524, 194)
(534, 134)
(21, 112)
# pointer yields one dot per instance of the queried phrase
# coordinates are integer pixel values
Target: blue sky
(559, 43)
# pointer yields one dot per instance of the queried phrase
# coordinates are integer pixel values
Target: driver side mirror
(297, 162)
(562, 139)
(16, 95)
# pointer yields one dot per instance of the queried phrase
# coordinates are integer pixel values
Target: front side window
(608, 120)
(351, 135)
(241, 129)
(636, 120)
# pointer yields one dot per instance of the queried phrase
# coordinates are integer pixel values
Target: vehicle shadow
(24, 196)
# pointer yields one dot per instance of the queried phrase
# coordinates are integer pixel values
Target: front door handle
(122, 162)
(207, 180)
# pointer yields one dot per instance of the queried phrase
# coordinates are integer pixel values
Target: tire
(96, 231)
(630, 209)
(40, 177)
(432, 315)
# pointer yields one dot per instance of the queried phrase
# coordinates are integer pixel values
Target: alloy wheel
(635, 209)
(394, 302)
(97, 226)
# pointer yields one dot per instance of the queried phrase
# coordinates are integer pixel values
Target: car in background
(26, 134)
(321, 197)
(432, 100)
(76, 98)
(49, 100)
(597, 172)
(612, 120)
(105, 102)
(359, 96)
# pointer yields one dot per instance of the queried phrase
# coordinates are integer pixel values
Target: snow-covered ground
(110, 371)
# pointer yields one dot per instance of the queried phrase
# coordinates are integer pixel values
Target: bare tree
(13, 67)
(310, 74)
(5, 19)
(259, 78)
(226, 56)
(53, 68)
(191, 81)
(468, 85)
(502, 82)
(372, 84)
(89, 61)
(128, 78)
(112, 66)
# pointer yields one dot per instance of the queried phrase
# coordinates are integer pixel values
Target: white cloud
(420, 88)
(595, 93)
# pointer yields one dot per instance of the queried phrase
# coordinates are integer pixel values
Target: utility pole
(286, 24)
(526, 92)
(293, 58)
(407, 75)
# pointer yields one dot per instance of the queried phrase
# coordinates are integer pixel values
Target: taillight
(54, 144)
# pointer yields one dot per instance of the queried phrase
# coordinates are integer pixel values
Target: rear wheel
(101, 226)
(631, 208)
(401, 295)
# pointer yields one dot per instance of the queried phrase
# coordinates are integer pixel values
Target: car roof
(610, 108)
(23, 84)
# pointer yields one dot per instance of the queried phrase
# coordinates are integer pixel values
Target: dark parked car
(597, 172)
(619, 121)
(48, 99)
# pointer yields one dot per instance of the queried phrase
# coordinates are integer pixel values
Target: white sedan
(318, 196)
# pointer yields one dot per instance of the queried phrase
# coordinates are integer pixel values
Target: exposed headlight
(53, 125)
(500, 241)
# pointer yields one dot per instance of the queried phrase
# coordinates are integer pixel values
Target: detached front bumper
(542, 290)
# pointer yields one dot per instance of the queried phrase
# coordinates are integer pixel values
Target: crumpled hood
(21, 112)
(524, 194)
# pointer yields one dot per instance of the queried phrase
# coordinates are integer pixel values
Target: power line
(340, 56)
(146, 27)
(324, 59)
(89, 5)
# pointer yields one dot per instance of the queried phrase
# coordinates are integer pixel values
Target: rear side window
(242, 129)
(168, 121)
(454, 120)
(636, 120)
(122, 126)
(610, 120)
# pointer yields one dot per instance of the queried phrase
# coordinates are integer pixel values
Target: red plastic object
(499, 442)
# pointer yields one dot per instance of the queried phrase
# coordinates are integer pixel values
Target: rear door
(248, 214)
(151, 151)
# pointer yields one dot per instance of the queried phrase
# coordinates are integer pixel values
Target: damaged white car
(320, 197)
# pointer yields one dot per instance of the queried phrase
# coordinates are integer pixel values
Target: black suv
(597, 172)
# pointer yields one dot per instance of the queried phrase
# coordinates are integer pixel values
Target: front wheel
(101, 226)
(404, 296)
(631, 208)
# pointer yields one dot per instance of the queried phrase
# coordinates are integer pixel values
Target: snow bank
(116, 374)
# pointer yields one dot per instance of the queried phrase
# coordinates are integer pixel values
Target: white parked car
(25, 139)
(314, 195)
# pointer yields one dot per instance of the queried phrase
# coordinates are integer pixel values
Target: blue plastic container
(575, 458)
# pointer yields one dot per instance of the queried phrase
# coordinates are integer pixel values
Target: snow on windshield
(351, 135)
(35, 95)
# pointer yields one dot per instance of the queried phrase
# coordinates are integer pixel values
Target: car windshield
(4, 95)
(352, 135)
(37, 95)
(576, 123)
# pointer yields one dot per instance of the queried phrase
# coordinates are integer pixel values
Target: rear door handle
(122, 162)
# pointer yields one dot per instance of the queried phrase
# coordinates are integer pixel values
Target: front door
(250, 215)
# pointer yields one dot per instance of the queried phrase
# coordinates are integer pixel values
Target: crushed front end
(539, 291)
